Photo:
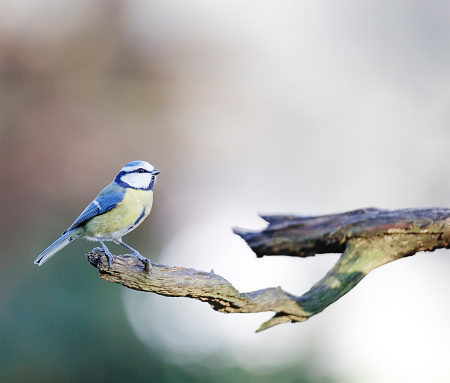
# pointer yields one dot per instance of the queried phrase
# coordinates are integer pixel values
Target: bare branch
(366, 238)
(207, 287)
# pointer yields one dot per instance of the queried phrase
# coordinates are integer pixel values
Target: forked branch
(367, 239)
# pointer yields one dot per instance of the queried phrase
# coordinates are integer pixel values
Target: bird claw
(107, 253)
(146, 261)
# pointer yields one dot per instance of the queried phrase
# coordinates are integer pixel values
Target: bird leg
(148, 265)
(105, 250)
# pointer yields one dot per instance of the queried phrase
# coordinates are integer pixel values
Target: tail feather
(56, 246)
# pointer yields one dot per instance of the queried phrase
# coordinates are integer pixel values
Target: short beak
(155, 172)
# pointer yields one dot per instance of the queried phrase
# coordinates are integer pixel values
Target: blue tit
(117, 210)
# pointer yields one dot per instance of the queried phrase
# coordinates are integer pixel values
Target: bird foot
(107, 253)
(146, 261)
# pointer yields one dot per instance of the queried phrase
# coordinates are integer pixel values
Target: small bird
(117, 210)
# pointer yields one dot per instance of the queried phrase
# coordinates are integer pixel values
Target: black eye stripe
(140, 170)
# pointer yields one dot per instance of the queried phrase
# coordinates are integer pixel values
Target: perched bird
(117, 210)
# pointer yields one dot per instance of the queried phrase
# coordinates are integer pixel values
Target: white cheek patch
(137, 180)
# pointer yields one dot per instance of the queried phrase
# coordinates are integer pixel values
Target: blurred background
(246, 107)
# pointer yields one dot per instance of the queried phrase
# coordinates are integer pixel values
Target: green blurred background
(247, 108)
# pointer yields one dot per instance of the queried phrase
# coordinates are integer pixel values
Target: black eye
(141, 170)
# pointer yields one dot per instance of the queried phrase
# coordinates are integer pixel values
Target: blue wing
(107, 200)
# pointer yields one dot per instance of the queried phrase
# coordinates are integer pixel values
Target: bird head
(137, 175)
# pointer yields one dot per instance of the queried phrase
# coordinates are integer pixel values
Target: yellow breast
(128, 215)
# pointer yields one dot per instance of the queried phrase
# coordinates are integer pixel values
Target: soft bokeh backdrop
(247, 107)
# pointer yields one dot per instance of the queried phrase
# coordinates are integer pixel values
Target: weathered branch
(207, 287)
(366, 238)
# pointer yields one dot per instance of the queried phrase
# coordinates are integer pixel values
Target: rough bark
(367, 239)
